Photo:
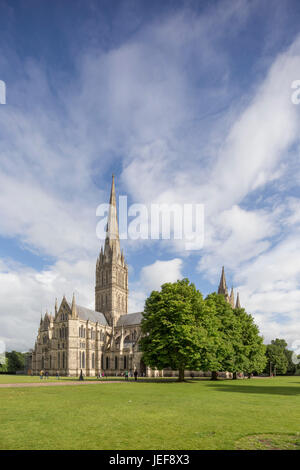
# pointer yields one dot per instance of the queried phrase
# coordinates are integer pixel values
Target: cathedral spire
(222, 286)
(231, 298)
(238, 305)
(111, 289)
(112, 240)
(73, 308)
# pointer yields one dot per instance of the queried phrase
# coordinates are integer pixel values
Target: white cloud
(149, 107)
(26, 294)
(151, 278)
(156, 274)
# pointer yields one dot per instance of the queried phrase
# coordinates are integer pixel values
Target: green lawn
(257, 413)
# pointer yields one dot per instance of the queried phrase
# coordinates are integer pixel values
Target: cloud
(156, 274)
(164, 107)
(151, 278)
(26, 294)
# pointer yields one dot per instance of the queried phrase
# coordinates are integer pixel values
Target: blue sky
(184, 102)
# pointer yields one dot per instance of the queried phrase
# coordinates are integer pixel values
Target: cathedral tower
(111, 291)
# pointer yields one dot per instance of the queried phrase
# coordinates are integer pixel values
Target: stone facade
(105, 339)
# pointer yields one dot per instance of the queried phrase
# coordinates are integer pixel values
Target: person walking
(126, 374)
(41, 374)
(57, 374)
(135, 375)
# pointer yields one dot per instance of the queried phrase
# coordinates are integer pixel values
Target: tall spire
(112, 230)
(111, 289)
(222, 286)
(231, 300)
(73, 308)
(238, 305)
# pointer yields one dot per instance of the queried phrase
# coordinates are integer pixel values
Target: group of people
(44, 374)
(129, 374)
(126, 374)
(100, 375)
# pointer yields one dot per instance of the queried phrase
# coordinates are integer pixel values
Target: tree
(226, 334)
(15, 361)
(3, 366)
(178, 329)
(251, 348)
(277, 356)
(240, 348)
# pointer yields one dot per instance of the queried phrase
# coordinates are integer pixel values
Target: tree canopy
(14, 361)
(242, 348)
(278, 356)
(181, 330)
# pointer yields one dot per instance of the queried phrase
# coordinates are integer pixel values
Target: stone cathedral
(106, 339)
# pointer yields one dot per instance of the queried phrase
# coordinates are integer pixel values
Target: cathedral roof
(88, 314)
(130, 319)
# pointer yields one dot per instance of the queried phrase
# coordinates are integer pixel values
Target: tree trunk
(181, 375)
(214, 375)
(234, 376)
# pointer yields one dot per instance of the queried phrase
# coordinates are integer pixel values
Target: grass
(257, 413)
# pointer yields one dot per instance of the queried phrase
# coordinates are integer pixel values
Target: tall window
(107, 363)
(93, 361)
(116, 363)
(125, 362)
(58, 361)
(83, 360)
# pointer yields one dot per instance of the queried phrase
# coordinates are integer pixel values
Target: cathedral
(104, 340)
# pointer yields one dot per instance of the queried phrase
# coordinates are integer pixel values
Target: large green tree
(3, 366)
(241, 348)
(225, 336)
(179, 329)
(277, 356)
(252, 351)
(15, 361)
(183, 331)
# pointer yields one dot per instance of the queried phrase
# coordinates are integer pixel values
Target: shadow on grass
(256, 389)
